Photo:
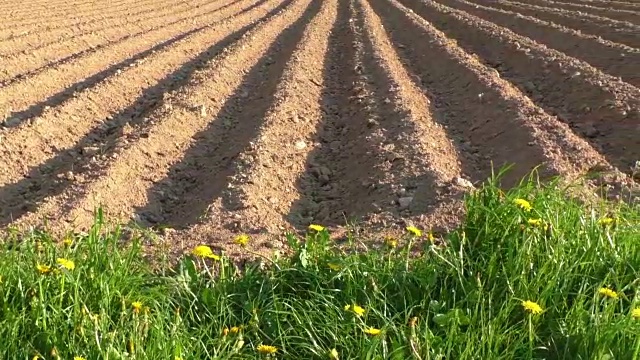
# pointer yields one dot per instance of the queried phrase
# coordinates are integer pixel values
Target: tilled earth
(214, 117)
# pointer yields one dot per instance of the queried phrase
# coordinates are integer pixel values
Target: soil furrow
(149, 137)
(45, 19)
(605, 4)
(603, 110)
(617, 32)
(53, 9)
(254, 182)
(26, 99)
(610, 13)
(607, 56)
(380, 157)
(26, 45)
(25, 66)
(21, 29)
(473, 104)
(25, 147)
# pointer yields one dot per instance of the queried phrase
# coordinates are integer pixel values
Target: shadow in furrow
(72, 57)
(57, 99)
(480, 129)
(200, 178)
(347, 178)
(589, 108)
(48, 179)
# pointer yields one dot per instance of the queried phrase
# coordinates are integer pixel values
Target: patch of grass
(463, 300)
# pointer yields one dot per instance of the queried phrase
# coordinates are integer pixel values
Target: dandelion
(391, 242)
(242, 240)
(267, 349)
(65, 263)
(523, 204)
(372, 331)
(43, 269)
(79, 358)
(414, 230)
(67, 241)
(430, 236)
(203, 251)
(225, 331)
(136, 306)
(635, 313)
(333, 266)
(234, 330)
(535, 222)
(606, 221)
(316, 227)
(608, 293)
(333, 354)
(532, 307)
(358, 310)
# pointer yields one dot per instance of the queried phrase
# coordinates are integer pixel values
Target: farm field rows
(225, 116)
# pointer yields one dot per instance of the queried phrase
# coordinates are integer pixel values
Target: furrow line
(474, 104)
(610, 13)
(34, 5)
(25, 45)
(108, 106)
(612, 58)
(604, 110)
(52, 8)
(626, 5)
(618, 32)
(37, 61)
(149, 140)
(255, 183)
(44, 18)
(28, 98)
(410, 122)
(20, 28)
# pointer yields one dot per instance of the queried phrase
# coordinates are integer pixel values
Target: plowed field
(223, 116)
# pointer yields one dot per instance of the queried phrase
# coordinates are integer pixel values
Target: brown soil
(259, 116)
(616, 31)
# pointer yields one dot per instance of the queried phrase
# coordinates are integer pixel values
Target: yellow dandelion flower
(67, 241)
(532, 307)
(356, 309)
(608, 293)
(37, 357)
(66, 263)
(177, 358)
(136, 306)
(606, 221)
(535, 222)
(430, 236)
(523, 204)
(414, 230)
(225, 331)
(635, 313)
(234, 329)
(333, 354)
(391, 242)
(333, 266)
(242, 240)
(372, 331)
(43, 269)
(79, 358)
(316, 227)
(203, 251)
(267, 349)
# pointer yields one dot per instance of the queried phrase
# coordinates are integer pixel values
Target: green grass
(459, 301)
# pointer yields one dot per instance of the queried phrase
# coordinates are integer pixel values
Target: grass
(459, 301)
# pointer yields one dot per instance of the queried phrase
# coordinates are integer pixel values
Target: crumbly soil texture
(205, 119)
